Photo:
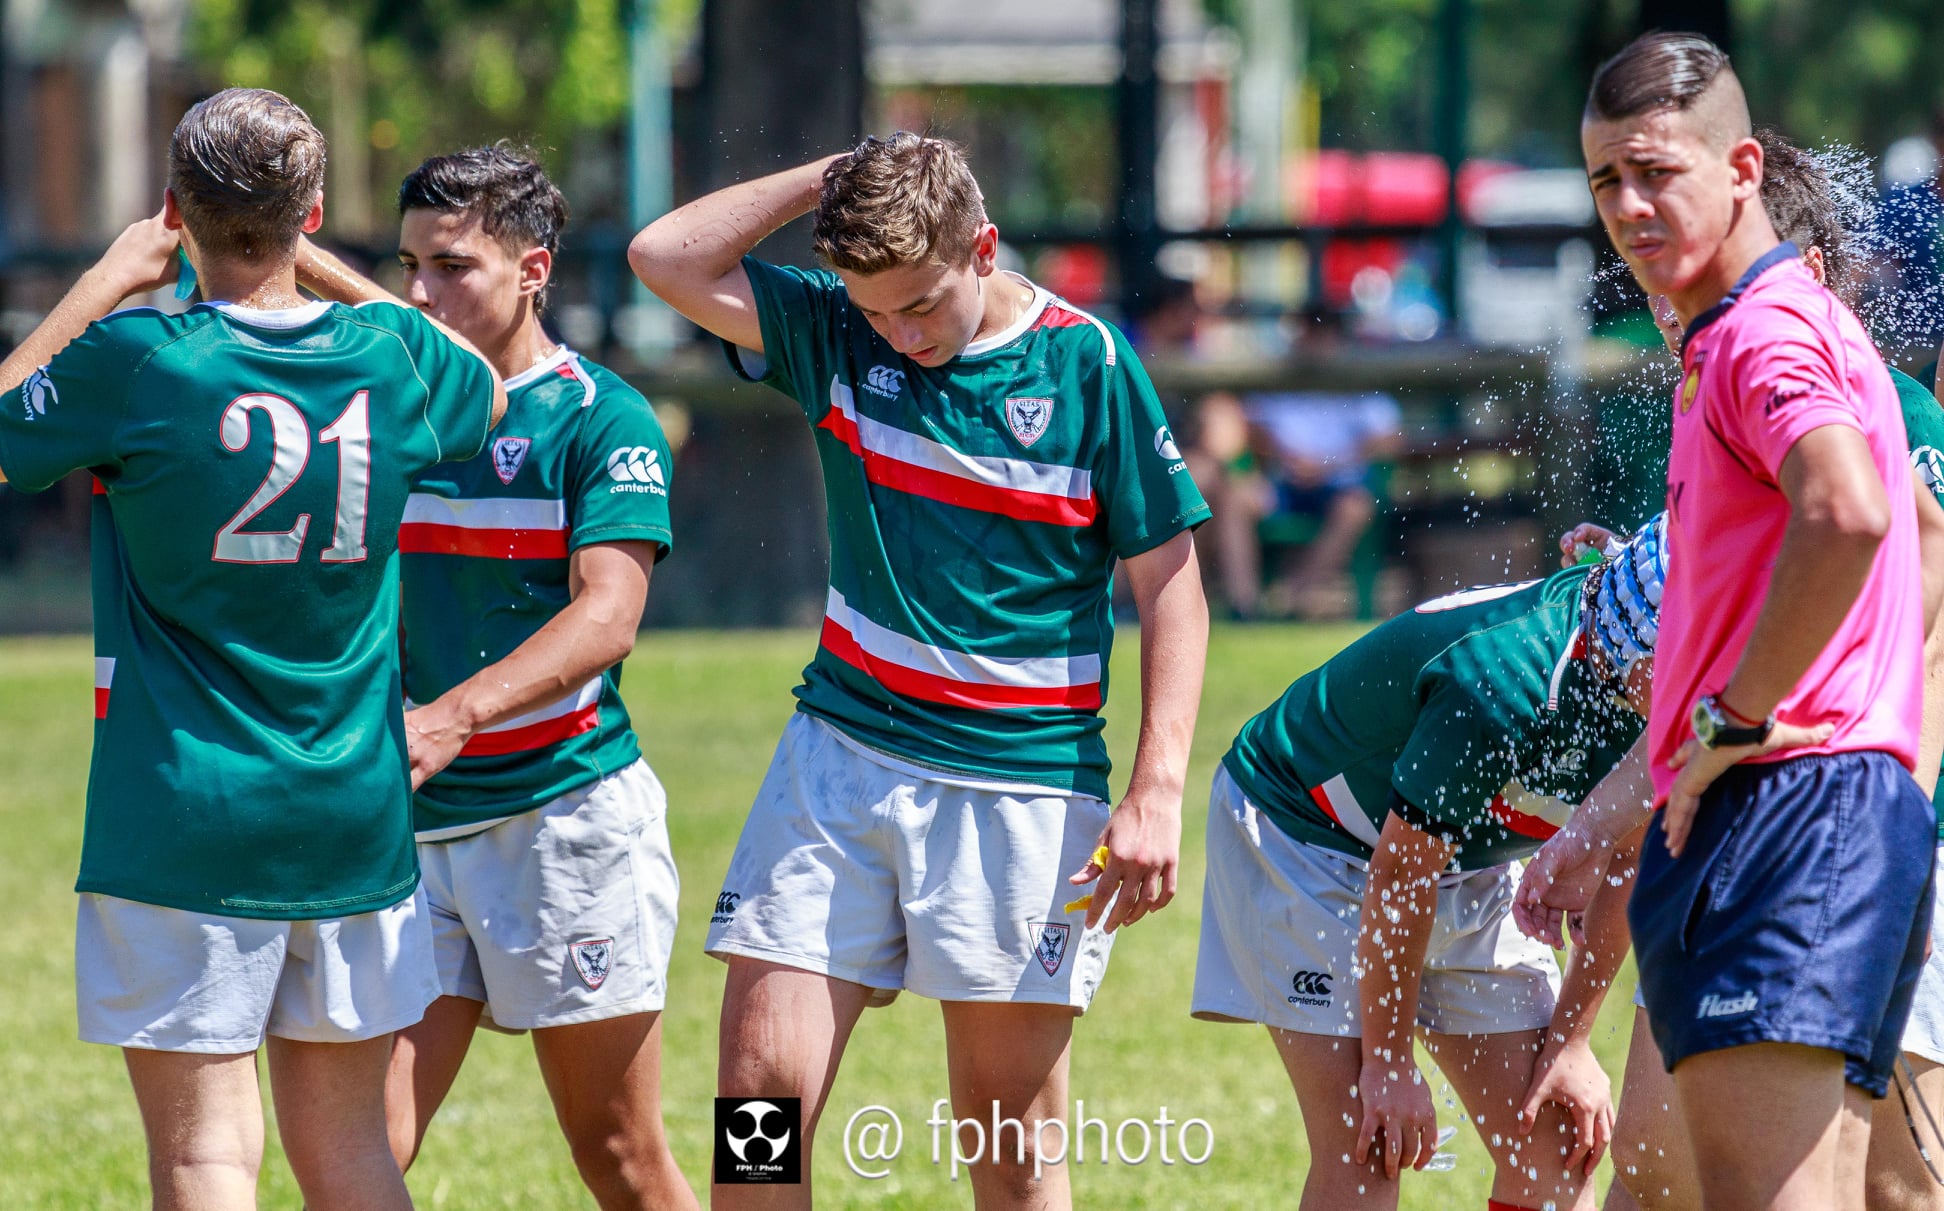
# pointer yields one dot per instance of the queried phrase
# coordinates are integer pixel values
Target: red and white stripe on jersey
(919, 670)
(489, 528)
(104, 681)
(1340, 805)
(563, 362)
(577, 713)
(1056, 314)
(1527, 814)
(906, 462)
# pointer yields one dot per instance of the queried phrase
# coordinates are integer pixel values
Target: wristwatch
(1713, 729)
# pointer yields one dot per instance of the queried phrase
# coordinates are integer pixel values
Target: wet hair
(1801, 205)
(246, 166)
(1655, 71)
(905, 200)
(502, 186)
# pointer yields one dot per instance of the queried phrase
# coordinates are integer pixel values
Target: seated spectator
(1292, 454)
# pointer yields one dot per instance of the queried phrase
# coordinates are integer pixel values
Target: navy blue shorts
(1798, 914)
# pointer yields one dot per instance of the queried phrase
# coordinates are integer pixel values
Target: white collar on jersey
(546, 365)
(1019, 327)
(287, 317)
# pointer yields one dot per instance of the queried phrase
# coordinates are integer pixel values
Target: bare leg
(1767, 1125)
(1014, 1056)
(204, 1120)
(1897, 1179)
(1350, 514)
(330, 1100)
(1491, 1073)
(605, 1079)
(1324, 1069)
(425, 1060)
(1652, 1160)
(783, 1032)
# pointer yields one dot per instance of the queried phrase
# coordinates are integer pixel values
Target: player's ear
(536, 269)
(171, 212)
(315, 219)
(985, 250)
(1745, 161)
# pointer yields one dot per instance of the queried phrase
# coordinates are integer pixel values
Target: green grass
(709, 707)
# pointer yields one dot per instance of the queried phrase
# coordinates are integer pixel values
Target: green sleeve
(1460, 755)
(458, 385)
(68, 414)
(1144, 485)
(1924, 430)
(622, 472)
(802, 313)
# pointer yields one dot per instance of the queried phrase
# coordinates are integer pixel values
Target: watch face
(1705, 723)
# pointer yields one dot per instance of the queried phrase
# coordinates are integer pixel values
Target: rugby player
(540, 825)
(1652, 1165)
(1362, 838)
(1779, 920)
(988, 452)
(247, 871)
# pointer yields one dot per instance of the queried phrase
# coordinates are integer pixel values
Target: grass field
(709, 707)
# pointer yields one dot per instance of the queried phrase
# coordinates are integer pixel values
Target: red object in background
(1345, 189)
(1075, 272)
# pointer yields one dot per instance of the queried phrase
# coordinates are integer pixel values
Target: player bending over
(247, 869)
(540, 825)
(988, 452)
(1653, 1166)
(1362, 842)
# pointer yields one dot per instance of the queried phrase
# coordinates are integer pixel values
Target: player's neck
(1006, 299)
(1747, 241)
(258, 286)
(524, 348)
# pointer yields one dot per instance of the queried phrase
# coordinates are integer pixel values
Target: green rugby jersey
(249, 759)
(1924, 430)
(975, 510)
(1479, 711)
(579, 458)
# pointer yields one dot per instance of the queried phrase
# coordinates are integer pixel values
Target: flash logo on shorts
(593, 960)
(1050, 947)
(1310, 988)
(1713, 1006)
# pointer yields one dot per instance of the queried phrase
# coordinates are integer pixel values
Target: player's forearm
(708, 238)
(1619, 804)
(1174, 651)
(595, 632)
(1400, 906)
(1592, 966)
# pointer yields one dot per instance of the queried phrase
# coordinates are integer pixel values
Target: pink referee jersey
(1776, 358)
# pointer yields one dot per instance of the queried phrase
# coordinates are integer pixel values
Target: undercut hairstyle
(503, 187)
(906, 200)
(246, 166)
(1802, 207)
(1656, 71)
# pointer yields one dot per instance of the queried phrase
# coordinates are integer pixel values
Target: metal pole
(1453, 108)
(651, 187)
(1137, 114)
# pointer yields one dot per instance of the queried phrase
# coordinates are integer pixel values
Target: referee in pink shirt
(1784, 891)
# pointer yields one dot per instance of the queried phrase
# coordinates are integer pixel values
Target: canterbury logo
(636, 464)
(1310, 984)
(725, 906)
(883, 380)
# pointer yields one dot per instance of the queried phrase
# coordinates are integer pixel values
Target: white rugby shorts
(562, 914)
(1279, 936)
(1924, 1034)
(166, 979)
(856, 865)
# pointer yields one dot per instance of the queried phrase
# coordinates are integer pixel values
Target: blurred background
(1352, 240)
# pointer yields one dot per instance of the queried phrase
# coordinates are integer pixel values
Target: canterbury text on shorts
(1797, 913)
(852, 865)
(167, 979)
(563, 914)
(1279, 937)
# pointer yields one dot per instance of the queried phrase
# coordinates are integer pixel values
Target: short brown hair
(1802, 207)
(504, 187)
(246, 166)
(1655, 71)
(898, 201)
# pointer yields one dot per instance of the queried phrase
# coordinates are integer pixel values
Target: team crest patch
(509, 455)
(1027, 418)
(1050, 947)
(593, 960)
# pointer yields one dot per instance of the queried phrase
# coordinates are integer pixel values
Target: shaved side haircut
(1681, 73)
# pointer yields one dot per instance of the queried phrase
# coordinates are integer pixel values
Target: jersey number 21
(290, 435)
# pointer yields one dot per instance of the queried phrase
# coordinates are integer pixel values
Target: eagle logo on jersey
(593, 960)
(509, 455)
(1050, 947)
(1028, 418)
